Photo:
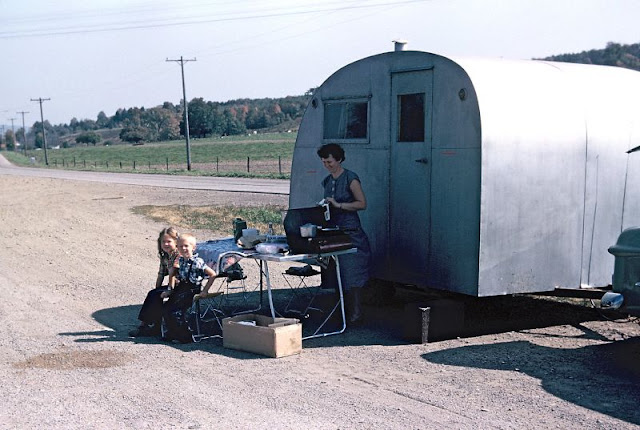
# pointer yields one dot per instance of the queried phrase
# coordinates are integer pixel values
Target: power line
(193, 21)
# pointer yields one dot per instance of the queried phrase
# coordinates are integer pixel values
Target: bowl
(271, 248)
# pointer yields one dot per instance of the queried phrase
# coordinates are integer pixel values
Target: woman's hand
(333, 202)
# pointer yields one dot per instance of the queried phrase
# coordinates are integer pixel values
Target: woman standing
(343, 190)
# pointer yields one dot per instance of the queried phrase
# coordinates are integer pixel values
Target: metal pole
(44, 134)
(186, 109)
(24, 136)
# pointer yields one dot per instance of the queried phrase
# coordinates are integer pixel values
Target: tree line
(615, 54)
(166, 122)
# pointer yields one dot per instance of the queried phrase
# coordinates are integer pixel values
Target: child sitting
(150, 314)
(192, 270)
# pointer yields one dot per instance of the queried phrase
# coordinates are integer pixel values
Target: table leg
(340, 303)
(261, 286)
(268, 279)
(344, 318)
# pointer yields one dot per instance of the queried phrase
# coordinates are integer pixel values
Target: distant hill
(627, 56)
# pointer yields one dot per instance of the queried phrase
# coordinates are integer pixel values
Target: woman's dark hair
(331, 149)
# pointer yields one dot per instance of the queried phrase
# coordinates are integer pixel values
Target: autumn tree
(161, 124)
(102, 121)
(10, 140)
(133, 134)
(90, 137)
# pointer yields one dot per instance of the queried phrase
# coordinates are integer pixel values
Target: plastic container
(238, 225)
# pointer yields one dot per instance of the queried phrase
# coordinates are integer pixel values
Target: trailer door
(410, 175)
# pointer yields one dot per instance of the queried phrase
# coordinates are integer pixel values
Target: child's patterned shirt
(192, 269)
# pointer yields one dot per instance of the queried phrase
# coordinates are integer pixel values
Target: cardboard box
(262, 335)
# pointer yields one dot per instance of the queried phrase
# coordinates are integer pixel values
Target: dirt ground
(76, 264)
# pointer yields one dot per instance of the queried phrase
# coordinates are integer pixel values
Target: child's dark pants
(175, 311)
(151, 311)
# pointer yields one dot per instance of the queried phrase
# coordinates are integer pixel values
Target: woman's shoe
(356, 319)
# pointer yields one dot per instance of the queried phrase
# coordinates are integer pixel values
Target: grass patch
(258, 147)
(16, 158)
(269, 156)
(217, 219)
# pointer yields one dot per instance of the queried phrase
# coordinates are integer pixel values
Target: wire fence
(279, 166)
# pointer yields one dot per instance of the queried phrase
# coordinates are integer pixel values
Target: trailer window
(345, 120)
(411, 117)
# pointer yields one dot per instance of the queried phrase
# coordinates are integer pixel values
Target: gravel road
(76, 264)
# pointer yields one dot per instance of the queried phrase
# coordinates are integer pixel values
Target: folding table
(226, 248)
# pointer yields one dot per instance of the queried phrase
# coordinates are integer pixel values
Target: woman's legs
(354, 302)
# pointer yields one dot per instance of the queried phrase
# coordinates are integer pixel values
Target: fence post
(121, 164)
(279, 164)
(247, 164)
(134, 164)
(107, 163)
(167, 164)
(217, 164)
(84, 163)
(74, 161)
(149, 165)
(95, 164)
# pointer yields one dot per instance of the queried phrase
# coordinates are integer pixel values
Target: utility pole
(24, 136)
(44, 135)
(186, 109)
(13, 130)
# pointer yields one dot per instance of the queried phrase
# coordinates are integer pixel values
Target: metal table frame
(264, 260)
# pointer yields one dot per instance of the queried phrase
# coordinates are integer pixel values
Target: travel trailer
(483, 176)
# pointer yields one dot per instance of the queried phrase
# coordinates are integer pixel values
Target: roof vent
(399, 45)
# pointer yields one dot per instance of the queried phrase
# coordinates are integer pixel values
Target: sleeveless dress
(354, 268)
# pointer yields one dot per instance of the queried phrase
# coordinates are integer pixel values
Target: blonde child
(150, 315)
(189, 276)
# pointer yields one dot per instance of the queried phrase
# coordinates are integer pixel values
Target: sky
(88, 56)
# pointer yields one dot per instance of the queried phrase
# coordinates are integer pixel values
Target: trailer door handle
(422, 160)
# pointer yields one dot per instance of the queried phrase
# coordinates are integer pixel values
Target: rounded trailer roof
(534, 99)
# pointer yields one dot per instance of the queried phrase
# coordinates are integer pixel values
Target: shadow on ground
(383, 324)
(604, 378)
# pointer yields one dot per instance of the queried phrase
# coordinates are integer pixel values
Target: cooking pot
(308, 230)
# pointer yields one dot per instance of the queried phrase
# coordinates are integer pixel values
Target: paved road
(266, 186)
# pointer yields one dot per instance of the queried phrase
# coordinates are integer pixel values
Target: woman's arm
(360, 201)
